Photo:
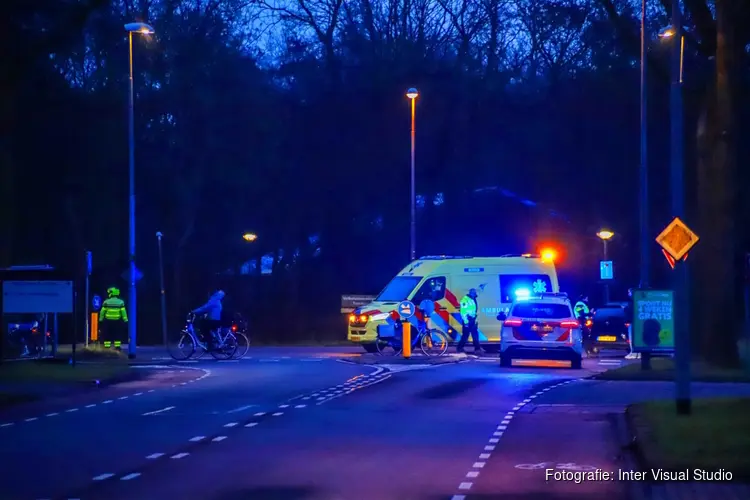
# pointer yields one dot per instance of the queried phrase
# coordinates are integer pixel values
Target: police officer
(113, 317)
(582, 307)
(469, 308)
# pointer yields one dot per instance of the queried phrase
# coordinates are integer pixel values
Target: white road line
(278, 413)
(251, 424)
(71, 410)
(458, 497)
(53, 414)
(102, 477)
(151, 390)
(283, 406)
(230, 424)
(154, 456)
(90, 406)
(218, 438)
(472, 474)
(197, 438)
(31, 419)
(130, 476)
(300, 406)
(484, 456)
(180, 455)
(373, 382)
(7, 425)
(138, 394)
(241, 408)
(465, 486)
(123, 397)
(106, 402)
(259, 414)
(158, 411)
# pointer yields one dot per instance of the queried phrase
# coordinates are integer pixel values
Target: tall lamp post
(677, 169)
(143, 29)
(605, 235)
(644, 213)
(412, 94)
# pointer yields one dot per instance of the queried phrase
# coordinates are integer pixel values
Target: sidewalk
(591, 399)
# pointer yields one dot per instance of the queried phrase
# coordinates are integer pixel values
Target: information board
(653, 321)
(351, 302)
(37, 297)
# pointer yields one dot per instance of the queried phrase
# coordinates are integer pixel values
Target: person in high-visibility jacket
(469, 308)
(582, 307)
(113, 317)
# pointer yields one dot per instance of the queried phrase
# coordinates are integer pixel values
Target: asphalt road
(293, 426)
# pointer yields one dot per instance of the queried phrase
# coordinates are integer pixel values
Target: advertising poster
(653, 320)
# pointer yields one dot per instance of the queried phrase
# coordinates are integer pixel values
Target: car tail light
(627, 325)
(589, 323)
(569, 324)
(512, 322)
(234, 328)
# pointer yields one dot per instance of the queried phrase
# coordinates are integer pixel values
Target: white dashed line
(251, 424)
(130, 476)
(196, 439)
(31, 419)
(102, 477)
(278, 414)
(53, 414)
(156, 412)
(154, 456)
(71, 410)
(230, 424)
(259, 414)
(300, 406)
(123, 397)
(180, 455)
(138, 394)
(90, 406)
(106, 402)
(496, 435)
(6, 425)
(218, 439)
(283, 406)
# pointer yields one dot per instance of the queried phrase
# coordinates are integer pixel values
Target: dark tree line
(288, 119)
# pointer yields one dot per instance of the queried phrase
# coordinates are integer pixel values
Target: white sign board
(37, 296)
(606, 270)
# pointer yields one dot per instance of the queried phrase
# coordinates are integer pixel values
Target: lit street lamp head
(250, 237)
(605, 234)
(412, 93)
(667, 32)
(142, 28)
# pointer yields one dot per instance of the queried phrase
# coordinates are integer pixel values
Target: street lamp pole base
(131, 356)
(684, 406)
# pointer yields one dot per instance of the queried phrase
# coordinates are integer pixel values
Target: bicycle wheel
(243, 345)
(388, 347)
(226, 348)
(434, 343)
(183, 348)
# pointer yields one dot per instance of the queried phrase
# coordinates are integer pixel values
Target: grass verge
(23, 372)
(662, 369)
(715, 436)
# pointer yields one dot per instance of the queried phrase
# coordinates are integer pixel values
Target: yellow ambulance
(445, 280)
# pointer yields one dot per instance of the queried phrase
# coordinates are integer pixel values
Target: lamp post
(605, 235)
(249, 237)
(683, 402)
(644, 213)
(412, 94)
(143, 29)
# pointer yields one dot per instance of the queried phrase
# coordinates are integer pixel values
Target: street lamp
(605, 235)
(643, 171)
(668, 33)
(142, 29)
(412, 94)
(250, 237)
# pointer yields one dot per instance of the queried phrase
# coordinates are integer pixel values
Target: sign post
(406, 311)
(87, 325)
(676, 241)
(606, 274)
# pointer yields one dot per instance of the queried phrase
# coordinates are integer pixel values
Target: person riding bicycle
(212, 320)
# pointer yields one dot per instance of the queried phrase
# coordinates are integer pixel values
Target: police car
(540, 327)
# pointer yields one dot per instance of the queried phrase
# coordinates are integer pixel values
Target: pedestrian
(113, 319)
(469, 308)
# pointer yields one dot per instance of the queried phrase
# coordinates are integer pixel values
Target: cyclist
(212, 319)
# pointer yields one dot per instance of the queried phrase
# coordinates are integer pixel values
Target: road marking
(241, 408)
(158, 411)
(484, 456)
(259, 414)
(7, 425)
(154, 456)
(218, 438)
(283, 406)
(130, 476)
(53, 414)
(230, 424)
(278, 413)
(71, 410)
(90, 406)
(138, 394)
(472, 473)
(123, 397)
(180, 455)
(251, 424)
(197, 438)
(464, 486)
(102, 477)
(458, 497)
(300, 406)
(30, 419)
(106, 402)
(478, 465)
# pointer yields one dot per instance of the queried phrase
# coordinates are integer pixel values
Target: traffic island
(27, 381)
(714, 438)
(415, 359)
(663, 369)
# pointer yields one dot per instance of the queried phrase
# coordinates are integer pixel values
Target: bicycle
(432, 342)
(225, 343)
(239, 329)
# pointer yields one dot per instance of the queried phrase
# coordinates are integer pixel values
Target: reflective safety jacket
(581, 308)
(468, 308)
(113, 309)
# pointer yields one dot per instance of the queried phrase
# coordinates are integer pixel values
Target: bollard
(406, 339)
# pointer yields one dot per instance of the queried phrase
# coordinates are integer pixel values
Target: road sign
(351, 302)
(606, 270)
(37, 296)
(677, 239)
(653, 321)
(126, 275)
(96, 301)
(406, 309)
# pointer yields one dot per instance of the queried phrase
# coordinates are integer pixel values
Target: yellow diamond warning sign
(677, 239)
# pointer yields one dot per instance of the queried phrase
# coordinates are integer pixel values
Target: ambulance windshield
(399, 288)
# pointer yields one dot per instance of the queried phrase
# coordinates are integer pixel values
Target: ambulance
(445, 280)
